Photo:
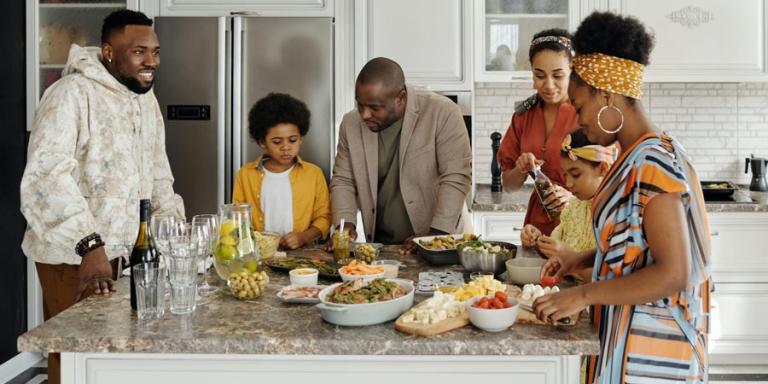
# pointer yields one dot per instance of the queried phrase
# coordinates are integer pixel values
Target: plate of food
(325, 269)
(441, 249)
(300, 294)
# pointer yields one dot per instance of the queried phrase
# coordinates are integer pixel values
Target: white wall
(718, 123)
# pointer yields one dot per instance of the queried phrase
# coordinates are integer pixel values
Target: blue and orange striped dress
(663, 341)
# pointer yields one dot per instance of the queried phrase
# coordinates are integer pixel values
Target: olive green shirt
(392, 223)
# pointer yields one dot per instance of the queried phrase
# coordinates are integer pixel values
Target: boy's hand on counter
(292, 240)
(95, 274)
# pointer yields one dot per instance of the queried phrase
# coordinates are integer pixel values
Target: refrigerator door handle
(221, 84)
(237, 88)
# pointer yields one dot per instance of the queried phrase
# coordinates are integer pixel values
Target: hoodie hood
(86, 61)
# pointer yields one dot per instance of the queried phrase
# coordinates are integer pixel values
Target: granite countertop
(487, 201)
(226, 325)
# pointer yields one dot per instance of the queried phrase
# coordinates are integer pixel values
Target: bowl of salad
(359, 302)
(485, 256)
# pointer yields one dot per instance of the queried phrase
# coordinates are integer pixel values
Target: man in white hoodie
(97, 147)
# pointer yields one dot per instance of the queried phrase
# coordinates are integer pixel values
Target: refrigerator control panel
(189, 112)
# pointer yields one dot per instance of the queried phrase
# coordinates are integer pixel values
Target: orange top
(527, 133)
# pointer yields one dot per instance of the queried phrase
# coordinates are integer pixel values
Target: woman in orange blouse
(539, 126)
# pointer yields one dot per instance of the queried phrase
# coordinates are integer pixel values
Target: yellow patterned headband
(596, 153)
(610, 73)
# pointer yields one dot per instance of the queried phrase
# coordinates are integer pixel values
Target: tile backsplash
(718, 123)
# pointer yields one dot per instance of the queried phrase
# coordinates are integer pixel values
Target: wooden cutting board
(525, 316)
(431, 329)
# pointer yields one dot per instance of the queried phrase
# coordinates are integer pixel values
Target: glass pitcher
(235, 247)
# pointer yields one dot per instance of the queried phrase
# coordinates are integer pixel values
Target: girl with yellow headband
(649, 295)
(584, 165)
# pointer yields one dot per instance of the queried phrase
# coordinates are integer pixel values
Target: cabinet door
(428, 38)
(707, 40)
(738, 319)
(254, 7)
(738, 253)
(505, 28)
(500, 226)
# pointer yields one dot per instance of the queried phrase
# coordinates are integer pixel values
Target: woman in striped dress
(650, 287)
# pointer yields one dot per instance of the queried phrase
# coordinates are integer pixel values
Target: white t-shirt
(277, 201)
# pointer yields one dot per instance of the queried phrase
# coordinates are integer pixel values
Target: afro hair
(275, 109)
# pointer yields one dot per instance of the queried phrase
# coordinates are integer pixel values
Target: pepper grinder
(495, 167)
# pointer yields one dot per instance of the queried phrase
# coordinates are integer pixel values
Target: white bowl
(492, 320)
(348, 277)
(303, 276)
(524, 270)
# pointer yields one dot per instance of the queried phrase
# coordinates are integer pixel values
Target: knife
(529, 308)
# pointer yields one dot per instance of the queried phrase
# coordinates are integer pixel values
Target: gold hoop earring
(600, 125)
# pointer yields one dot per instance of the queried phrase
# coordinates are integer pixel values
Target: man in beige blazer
(403, 160)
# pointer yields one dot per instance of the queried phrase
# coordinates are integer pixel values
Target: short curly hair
(274, 109)
(116, 22)
(549, 45)
(614, 35)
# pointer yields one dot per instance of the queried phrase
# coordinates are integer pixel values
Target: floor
(718, 374)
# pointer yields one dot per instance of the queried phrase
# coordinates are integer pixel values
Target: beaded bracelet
(89, 243)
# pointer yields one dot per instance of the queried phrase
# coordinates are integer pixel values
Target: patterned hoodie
(95, 150)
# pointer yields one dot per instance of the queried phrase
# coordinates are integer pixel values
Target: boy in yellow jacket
(287, 195)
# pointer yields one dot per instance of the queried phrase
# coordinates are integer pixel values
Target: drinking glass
(150, 296)
(198, 233)
(212, 223)
(182, 273)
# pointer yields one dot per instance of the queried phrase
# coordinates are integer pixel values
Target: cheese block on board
(437, 328)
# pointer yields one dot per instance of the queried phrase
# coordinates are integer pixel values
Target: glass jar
(236, 250)
(340, 246)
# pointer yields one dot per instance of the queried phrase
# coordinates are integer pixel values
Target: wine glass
(163, 227)
(212, 223)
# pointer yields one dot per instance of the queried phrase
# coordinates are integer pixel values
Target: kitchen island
(102, 341)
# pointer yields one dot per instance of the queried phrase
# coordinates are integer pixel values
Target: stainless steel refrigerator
(212, 70)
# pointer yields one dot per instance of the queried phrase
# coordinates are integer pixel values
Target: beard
(135, 86)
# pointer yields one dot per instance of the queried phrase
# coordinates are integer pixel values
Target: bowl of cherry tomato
(493, 313)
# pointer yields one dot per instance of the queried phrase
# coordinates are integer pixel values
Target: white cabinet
(430, 39)
(705, 40)
(254, 7)
(740, 301)
(738, 253)
(504, 29)
(499, 226)
(52, 26)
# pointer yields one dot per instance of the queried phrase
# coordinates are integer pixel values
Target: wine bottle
(144, 250)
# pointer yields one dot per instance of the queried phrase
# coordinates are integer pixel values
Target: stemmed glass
(211, 222)
(163, 227)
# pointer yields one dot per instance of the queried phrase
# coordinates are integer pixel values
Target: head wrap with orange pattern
(610, 73)
(594, 152)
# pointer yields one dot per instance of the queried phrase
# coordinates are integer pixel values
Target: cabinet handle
(714, 233)
(517, 229)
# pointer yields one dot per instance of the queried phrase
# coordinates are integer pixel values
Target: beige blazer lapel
(409, 123)
(371, 153)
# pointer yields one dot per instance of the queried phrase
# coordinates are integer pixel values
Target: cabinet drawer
(738, 254)
(500, 226)
(738, 319)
